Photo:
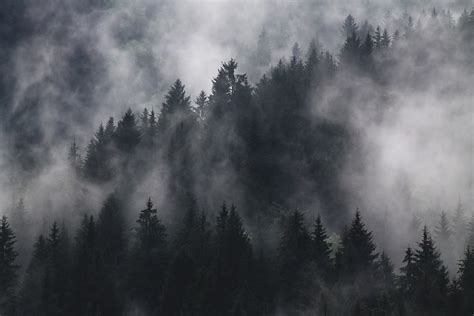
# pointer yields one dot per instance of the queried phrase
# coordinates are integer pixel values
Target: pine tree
(470, 233)
(202, 104)
(56, 283)
(31, 296)
(232, 262)
(378, 38)
(349, 27)
(320, 248)
(148, 258)
(74, 156)
(368, 45)
(175, 109)
(431, 278)
(350, 52)
(294, 254)
(386, 40)
(466, 281)
(186, 286)
(127, 134)
(111, 230)
(8, 268)
(88, 270)
(459, 221)
(358, 249)
(112, 246)
(408, 274)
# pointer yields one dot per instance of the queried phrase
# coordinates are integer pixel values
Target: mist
(389, 136)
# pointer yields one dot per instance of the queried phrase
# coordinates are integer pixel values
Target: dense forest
(234, 202)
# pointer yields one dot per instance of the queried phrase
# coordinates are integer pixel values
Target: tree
(470, 238)
(443, 235)
(8, 268)
(202, 104)
(74, 156)
(177, 124)
(349, 27)
(232, 263)
(466, 281)
(294, 254)
(367, 46)
(148, 258)
(386, 40)
(175, 108)
(111, 246)
(459, 223)
(378, 38)
(350, 52)
(88, 270)
(111, 230)
(431, 278)
(186, 286)
(31, 294)
(56, 282)
(320, 248)
(358, 249)
(407, 279)
(127, 134)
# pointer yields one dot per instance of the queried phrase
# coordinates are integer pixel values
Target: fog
(416, 154)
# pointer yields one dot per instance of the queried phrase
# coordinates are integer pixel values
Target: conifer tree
(294, 255)
(127, 134)
(87, 270)
(466, 281)
(8, 268)
(56, 283)
(407, 280)
(386, 40)
(232, 262)
(111, 230)
(431, 278)
(459, 223)
(350, 52)
(31, 296)
(358, 249)
(202, 104)
(74, 156)
(320, 248)
(470, 234)
(148, 258)
(349, 27)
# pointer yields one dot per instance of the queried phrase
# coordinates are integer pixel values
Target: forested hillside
(334, 182)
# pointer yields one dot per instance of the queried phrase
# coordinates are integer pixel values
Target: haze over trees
(238, 167)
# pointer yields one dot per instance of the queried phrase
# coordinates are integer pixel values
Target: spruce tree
(466, 281)
(31, 296)
(294, 256)
(320, 248)
(431, 278)
(202, 104)
(88, 270)
(358, 249)
(349, 26)
(148, 259)
(470, 233)
(8, 268)
(127, 134)
(408, 273)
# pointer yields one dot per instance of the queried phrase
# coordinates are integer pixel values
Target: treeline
(209, 267)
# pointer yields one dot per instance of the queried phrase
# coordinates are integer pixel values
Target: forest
(237, 201)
